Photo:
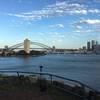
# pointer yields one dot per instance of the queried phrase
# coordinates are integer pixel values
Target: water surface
(85, 68)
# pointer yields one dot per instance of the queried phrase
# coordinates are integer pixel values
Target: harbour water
(84, 68)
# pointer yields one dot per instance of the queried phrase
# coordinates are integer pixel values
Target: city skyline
(60, 23)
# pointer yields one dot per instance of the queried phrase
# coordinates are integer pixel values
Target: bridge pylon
(27, 46)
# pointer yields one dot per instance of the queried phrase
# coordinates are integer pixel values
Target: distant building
(88, 46)
(97, 47)
(84, 47)
(93, 44)
(6, 47)
(27, 46)
(96, 42)
(54, 48)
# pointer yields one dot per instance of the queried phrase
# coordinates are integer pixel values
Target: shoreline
(50, 54)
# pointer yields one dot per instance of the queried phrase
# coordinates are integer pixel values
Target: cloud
(94, 11)
(78, 27)
(57, 26)
(84, 31)
(58, 9)
(17, 15)
(60, 25)
(90, 21)
(56, 35)
(87, 26)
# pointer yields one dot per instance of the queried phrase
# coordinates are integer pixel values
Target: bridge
(26, 46)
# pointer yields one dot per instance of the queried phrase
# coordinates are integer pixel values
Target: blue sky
(63, 23)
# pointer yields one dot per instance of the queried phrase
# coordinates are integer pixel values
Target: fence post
(18, 74)
(51, 79)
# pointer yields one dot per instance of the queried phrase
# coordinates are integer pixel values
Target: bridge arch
(16, 46)
(41, 45)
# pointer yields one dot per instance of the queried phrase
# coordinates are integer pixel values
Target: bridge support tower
(27, 46)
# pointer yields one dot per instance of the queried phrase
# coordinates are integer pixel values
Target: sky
(59, 23)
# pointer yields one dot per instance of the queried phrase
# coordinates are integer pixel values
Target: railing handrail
(49, 74)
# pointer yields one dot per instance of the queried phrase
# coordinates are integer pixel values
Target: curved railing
(65, 84)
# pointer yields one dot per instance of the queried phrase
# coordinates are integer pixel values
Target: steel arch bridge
(43, 46)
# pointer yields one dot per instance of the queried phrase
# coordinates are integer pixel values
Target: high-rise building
(96, 43)
(97, 46)
(92, 44)
(88, 46)
(27, 46)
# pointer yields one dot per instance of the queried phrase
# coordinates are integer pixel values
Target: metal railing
(70, 86)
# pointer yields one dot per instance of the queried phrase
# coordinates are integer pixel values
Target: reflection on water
(85, 68)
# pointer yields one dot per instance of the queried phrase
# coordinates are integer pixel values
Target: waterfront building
(54, 48)
(93, 44)
(96, 42)
(84, 47)
(97, 48)
(27, 46)
(88, 46)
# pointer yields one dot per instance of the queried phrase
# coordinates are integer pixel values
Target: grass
(24, 88)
